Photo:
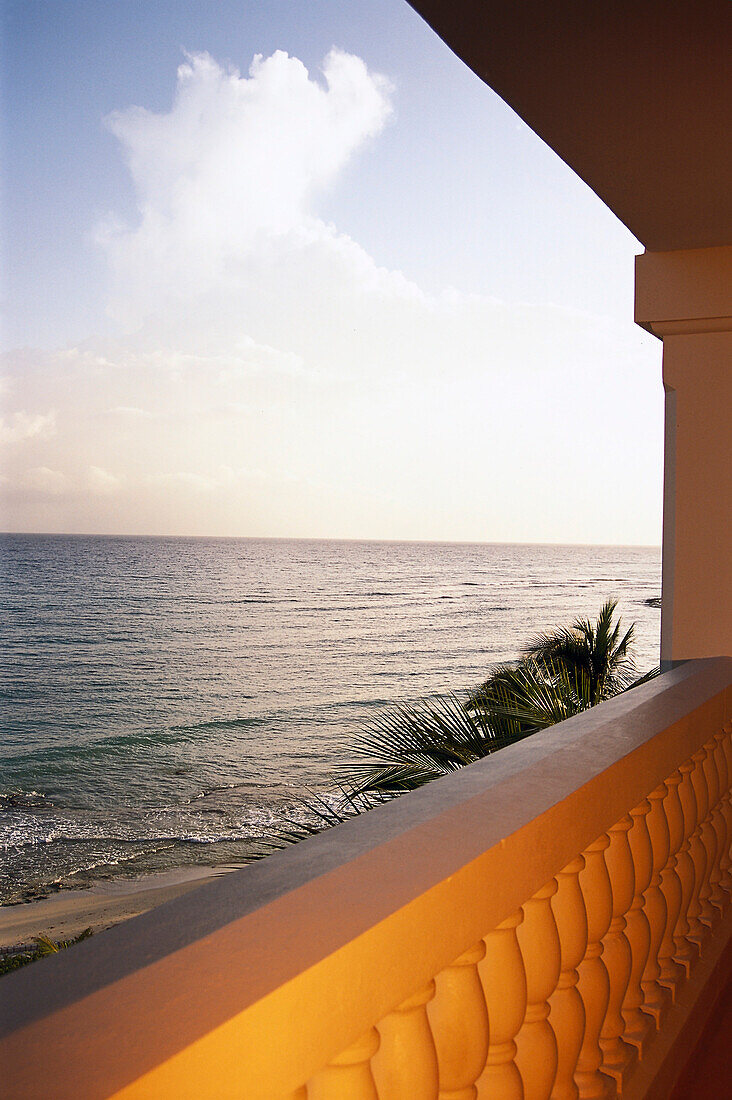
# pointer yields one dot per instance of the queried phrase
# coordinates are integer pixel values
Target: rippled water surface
(164, 700)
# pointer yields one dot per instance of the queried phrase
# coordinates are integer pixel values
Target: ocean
(167, 701)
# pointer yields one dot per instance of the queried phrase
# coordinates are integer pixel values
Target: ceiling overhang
(634, 95)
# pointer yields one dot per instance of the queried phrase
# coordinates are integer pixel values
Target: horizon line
(329, 538)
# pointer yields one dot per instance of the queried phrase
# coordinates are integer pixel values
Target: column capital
(686, 291)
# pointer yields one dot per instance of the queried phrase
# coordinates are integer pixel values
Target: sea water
(168, 701)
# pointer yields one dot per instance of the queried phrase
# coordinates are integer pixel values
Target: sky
(285, 269)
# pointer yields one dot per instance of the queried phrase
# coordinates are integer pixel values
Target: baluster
(725, 810)
(348, 1076)
(639, 1024)
(707, 914)
(697, 930)
(406, 1061)
(593, 983)
(536, 1045)
(716, 895)
(618, 1056)
(504, 984)
(687, 950)
(711, 773)
(672, 973)
(655, 996)
(726, 744)
(567, 1013)
(459, 1020)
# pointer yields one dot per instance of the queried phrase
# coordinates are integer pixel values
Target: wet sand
(69, 912)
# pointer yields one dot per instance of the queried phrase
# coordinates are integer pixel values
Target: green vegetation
(13, 960)
(558, 675)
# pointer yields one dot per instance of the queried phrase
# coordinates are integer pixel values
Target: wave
(93, 750)
(254, 599)
(231, 820)
(119, 743)
(253, 826)
(221, 723)
(16, 799)
(248, 784)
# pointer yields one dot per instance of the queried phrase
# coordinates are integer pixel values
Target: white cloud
(235, 159)
(187, 480)
(132, 411)
(282, 382)
(43, 480)
(99, 480)
(22, 425)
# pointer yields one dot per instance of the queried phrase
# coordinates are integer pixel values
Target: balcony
(553, 921)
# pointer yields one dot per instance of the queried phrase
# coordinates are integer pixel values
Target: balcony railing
(550, 922)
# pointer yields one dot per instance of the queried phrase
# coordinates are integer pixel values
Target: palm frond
(532, 695)
(596, 648)
(413, 743)
(645, 678)
(559, 674)
(314, 814)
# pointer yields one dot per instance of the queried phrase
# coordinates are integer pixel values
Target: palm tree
(413, 743)
(586, 662)
(558, 675)
(531, 694)
(599, 651)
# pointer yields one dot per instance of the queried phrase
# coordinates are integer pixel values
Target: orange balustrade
(552, 922)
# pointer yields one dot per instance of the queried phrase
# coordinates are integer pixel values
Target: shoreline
(68, 913)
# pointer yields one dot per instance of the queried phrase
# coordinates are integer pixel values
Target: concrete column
(685, 298)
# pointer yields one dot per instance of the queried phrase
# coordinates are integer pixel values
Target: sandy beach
(69, 912)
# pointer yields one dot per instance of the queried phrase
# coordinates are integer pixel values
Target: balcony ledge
(255, 982)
